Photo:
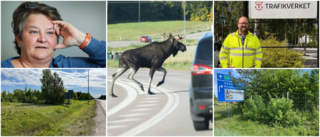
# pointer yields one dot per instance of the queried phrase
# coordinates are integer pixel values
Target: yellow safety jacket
(233, 53)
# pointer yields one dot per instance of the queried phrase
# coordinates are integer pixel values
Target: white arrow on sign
(220, 87)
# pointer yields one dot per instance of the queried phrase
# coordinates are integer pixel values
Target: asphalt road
(310, 56)
(167, 113)
(100, 118)
(114, 44)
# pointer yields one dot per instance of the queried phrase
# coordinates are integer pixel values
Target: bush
(254, 109)
(277, 111)
(279, 57)
(312, 44)
(280, 112)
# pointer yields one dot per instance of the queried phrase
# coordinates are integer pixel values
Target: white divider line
(173, 102)
(133, 115)
(116, 126)
(142, 109)
(151, 101)
(135, 85)
(122, 121)
(131, 96)
(146, 105)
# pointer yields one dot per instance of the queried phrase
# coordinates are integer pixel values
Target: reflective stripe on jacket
(233, 53)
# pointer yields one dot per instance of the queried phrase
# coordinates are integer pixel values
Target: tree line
(227, 14)
(124, 12)
(52, 92)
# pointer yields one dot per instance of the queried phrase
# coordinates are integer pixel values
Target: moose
(150, 56)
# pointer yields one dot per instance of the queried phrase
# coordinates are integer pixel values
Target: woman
(37, 28)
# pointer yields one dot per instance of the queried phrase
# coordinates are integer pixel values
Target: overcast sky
(73, 79)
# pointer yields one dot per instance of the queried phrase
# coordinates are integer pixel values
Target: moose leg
(132, 72)
(152, 70)
(119, 72)
(164, 75)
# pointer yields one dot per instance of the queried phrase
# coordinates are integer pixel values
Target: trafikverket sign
(282, 9)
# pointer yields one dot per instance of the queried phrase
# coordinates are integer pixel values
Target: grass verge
(131, 31)
(235, 126)
(22, 119)
(182, 61)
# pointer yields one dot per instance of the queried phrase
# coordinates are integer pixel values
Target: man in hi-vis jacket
(241, 49)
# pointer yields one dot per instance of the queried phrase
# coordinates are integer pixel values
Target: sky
(73, 79)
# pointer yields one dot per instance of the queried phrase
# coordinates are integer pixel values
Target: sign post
(227, 92)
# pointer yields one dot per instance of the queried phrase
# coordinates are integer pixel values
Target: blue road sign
(227, 92)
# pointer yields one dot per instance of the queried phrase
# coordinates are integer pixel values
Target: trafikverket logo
(259, 5)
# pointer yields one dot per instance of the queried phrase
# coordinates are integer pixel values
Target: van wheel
(201, 125)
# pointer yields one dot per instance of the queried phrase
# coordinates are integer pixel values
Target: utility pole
(139, 20)
(184, 18)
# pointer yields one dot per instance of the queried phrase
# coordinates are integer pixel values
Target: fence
(303, 101)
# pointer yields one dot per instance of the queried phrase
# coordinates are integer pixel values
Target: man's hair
(21, 14)
(242, 17)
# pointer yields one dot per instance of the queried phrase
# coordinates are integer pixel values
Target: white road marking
(142, 109)
(122, 121)
(173, 102)
(116, 126)
(131, 96)
(133, 115)
(151, 101)
(147, 105)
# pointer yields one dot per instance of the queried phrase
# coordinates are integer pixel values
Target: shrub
(254, 109)
(277, 111)
(279, 57)
(312, 44)
(280, 112)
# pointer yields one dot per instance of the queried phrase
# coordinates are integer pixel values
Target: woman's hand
(70, 34)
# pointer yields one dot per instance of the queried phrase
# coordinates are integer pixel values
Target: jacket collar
(237, 33)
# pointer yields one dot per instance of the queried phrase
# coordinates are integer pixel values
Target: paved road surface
(165, 114)
(100, 119)
(310, 57)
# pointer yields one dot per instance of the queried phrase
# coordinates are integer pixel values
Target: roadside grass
(23, 119)
(182, 61)
(235, 126)
(130, 31)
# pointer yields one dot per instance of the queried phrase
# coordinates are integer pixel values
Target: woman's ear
(18, 39)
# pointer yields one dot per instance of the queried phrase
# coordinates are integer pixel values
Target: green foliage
(22, 96)
(75, 96)
(312, 44)
(236, 124)
(52, 87)
(254, 109)
(83, 96)
(120, 12)
(280, 112)
(22, 119)
(279, 57)
(279, 82)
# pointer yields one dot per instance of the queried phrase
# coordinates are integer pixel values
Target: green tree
(4, 96)
(52, 87)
